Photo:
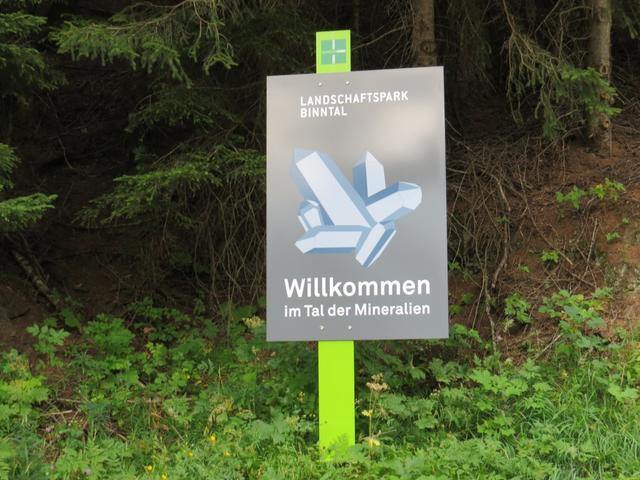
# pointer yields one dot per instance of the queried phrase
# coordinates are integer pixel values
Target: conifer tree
(199, 173)
(22, 71)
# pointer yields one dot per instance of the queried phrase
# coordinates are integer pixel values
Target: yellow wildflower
(164, 476)
(226, 453)
(190, 454)
(377, 387)
(149, 468)
(253, 322)
(367, 413)
(373, 442)
(213, 439)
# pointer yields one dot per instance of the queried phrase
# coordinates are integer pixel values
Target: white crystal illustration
(310, 215)
(332, 190)
(374, 243)
(339, 217)
(331, 239)
(394, 202)
(368, 176)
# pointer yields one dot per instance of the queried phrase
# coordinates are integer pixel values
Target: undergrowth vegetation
(156, 395)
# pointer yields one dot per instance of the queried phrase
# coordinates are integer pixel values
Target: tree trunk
(600, 59)
(423, 34)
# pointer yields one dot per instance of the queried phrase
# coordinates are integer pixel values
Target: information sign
(356, 204)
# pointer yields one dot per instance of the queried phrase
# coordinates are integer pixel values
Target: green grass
(161, 396)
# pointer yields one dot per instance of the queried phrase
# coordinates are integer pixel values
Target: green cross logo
(334, 51)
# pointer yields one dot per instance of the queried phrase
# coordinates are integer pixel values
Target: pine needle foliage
(8, 162)
(22, 71)
(166, 39)
(197, 191)
(536, 53)
(546, 72)
(162, 191)
(21, 212)
(22, 68)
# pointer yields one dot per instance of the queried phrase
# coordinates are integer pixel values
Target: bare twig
(35, 279)
(52, 414)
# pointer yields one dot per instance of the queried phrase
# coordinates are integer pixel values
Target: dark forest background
(147, 120)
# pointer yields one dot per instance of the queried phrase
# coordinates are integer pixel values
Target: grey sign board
(356, 206)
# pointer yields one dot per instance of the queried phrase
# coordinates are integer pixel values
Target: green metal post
(336, 393)
(336, 373)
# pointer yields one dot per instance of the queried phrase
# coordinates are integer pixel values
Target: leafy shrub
(578, 318)
(574, 197)
(21, 447)
(607, 190)
(49, 339)
(550, 256)
(516, 309)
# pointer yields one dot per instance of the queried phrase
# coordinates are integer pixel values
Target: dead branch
(35, 278)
